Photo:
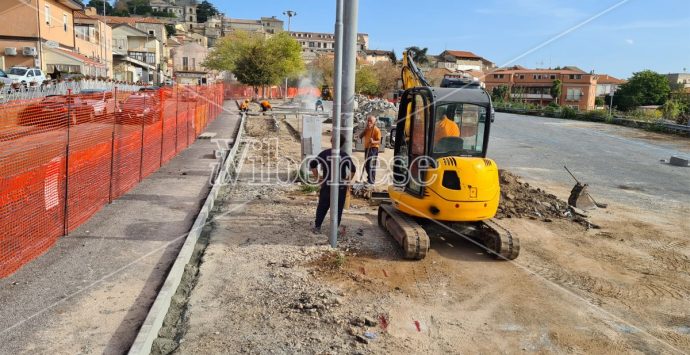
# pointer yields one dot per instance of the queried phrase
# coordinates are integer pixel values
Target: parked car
(140, 105)
(26, 76)
(101, 100)
(52, 111)
(5, 79)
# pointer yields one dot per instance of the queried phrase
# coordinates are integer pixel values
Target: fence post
(141, 156)
(162, 116)
(65, 220)
(177, 113)
(112, 148)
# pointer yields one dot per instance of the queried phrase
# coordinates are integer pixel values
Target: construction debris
(520, 200)
(377, 107)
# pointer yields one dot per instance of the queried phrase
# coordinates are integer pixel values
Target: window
(185, 63)
(47, 14)
(574, 94)
(522, 76)
(193, 63)
(575, 76)
(553, 77)
(64, 22)
(466, 124)
(498, 76)
(152, 32)
(311, 45)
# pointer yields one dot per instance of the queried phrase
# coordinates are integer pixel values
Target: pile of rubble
(377, 107)
(520, 200)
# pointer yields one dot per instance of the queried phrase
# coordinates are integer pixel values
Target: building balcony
(532, 96)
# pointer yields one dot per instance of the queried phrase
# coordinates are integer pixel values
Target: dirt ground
(267, 284)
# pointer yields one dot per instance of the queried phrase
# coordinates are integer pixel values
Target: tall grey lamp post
(290, 14)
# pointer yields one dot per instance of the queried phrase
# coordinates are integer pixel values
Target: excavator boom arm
(411, 75)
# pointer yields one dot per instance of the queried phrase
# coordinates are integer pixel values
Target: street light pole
(290, 14)
(611, 101)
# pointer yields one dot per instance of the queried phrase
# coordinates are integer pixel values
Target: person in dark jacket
(347, 172)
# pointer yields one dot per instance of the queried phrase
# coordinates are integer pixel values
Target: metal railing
(9, 94)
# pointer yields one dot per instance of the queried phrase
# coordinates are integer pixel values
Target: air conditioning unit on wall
(29, 51)
(11, 51)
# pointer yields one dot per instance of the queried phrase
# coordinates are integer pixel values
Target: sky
(615, 37)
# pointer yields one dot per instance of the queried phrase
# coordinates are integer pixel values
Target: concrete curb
(154, 320)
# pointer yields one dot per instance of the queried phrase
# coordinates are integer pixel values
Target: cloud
(629, 41)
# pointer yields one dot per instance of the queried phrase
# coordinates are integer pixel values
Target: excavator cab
(439, 127)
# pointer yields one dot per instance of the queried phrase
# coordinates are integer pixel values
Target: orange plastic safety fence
(62, 158)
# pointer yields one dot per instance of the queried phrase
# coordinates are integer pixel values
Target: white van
(26, 76)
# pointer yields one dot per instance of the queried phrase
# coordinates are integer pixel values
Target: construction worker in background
(445, 127)
(244, 107)
(265, 106)
(372, 141)
(347, 172)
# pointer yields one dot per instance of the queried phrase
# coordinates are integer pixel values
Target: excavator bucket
(580, 198)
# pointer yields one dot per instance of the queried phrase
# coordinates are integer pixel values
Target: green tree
(321, 70)
(644, 88)
(387, 76)
(256, 60)
(500, 93)
(393, 58)
(98, 4)
(599, 101)
(170, 29)
(556, 90)
(204, 11)
(418, 54)
(366, 82)
(139, 7)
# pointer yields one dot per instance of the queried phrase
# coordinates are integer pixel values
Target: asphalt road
(620, 164)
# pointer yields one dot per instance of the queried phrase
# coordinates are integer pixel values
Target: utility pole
(613, 90)
(350, 50)
(337, 110)
(290, 14)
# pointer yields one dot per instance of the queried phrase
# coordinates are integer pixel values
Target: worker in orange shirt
(372, 141)
(265, 106)
(445, 127)
(244, 107)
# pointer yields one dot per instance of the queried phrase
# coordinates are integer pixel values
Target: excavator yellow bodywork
(440, 169)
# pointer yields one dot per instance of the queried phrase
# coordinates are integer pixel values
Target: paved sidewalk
(93, 289)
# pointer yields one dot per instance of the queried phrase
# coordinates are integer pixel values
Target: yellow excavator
(442, 180)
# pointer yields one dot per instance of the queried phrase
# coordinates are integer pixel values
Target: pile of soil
(520, 200)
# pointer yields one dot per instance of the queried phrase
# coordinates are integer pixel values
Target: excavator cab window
(459, 130)
(411, 153)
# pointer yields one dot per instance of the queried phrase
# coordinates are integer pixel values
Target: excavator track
(408, 233)
(498, 240)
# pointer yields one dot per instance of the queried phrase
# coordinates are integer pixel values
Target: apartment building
(606, 84)
(152, 28)
(680, 80)
(462, 61)
(374, 56)
(39, 33)
(93, 39)
(136, 55)
(314, 43)
(187, 59)
(578, 89)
